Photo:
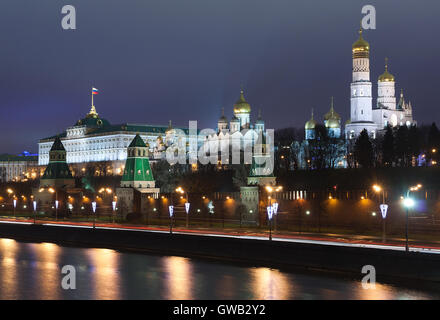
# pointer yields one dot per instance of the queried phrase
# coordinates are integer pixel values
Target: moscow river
(33, 271)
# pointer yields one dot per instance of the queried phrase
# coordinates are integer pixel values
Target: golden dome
(311, 124)
(361, 48)
(332, 123)
(332, 114)
(241, 106)
(386, 76)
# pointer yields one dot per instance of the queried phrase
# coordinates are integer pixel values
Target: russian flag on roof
(95, 91)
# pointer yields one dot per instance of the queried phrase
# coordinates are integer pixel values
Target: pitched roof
(137, 142)
(57, 145)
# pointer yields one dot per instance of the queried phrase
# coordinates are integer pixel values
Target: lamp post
(14, 201)
(269, 216)
(187, 204)
(270, 190)
(171, 211)
(383, 209)
(35, 210)
(114, 208)
(409, 203)
(52, 190)
(94, 215)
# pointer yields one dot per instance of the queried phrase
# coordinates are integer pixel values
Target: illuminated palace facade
(94, 140)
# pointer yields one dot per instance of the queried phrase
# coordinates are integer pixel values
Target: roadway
(320, 239)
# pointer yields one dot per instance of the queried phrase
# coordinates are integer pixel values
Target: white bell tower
(361, 103)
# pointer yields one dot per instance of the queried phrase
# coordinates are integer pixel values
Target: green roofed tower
(137, 171)
(57, 172)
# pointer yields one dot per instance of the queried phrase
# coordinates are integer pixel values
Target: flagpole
(92, 97)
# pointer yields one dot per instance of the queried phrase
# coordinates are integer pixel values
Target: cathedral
(363, 115)
(238, 130)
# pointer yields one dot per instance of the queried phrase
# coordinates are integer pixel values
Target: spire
(386, 64)
(92, 113)
(259, 114)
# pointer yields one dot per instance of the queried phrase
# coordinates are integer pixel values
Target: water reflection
(178, 278)
(270, 284)
(105, 277)
(33, 271)
(8, 272)
(48, 276)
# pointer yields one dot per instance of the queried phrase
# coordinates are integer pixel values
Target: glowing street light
(35, 210)
(171, 211)
(94, 213)
(409, 203)
(187, 204)
(383, 209)
(270, 190)
(114, 208)
(270, 215)
(14, 201)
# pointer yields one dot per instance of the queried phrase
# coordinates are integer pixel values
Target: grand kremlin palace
(94, 140)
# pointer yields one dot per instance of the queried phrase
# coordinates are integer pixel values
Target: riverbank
(389, 264)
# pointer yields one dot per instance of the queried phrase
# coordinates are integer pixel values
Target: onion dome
(259, 119)
(242, 106)
(92, 119)
(311, 124)
(223, 119)
(386, 76)
(332, 114)
(361, 48)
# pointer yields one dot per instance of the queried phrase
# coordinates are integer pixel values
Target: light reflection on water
(33, 271)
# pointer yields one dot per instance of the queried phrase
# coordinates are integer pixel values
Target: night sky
(155, 60)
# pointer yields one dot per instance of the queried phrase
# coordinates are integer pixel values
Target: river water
(33, 271)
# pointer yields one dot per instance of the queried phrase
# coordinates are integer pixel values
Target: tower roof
(361, 48)
(57, 145)
(386, 76)
(223, 118)
(137, 142)
(332, 114)
(311, 124)
(242, 106)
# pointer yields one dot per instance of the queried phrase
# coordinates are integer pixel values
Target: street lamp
(409, 203)
(270, 190)
(94, 215)
(270, 215)
(383, 209)
(52, 190)
(171, 211)
(35, 210)
(187, 204)
(114, 208)
(14, 201)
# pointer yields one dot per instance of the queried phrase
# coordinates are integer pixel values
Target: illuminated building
(18, 167)
(239, 130)
(362, 114)
(94, 139)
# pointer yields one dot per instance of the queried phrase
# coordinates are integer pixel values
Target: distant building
(18, 167)
(362, 113)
